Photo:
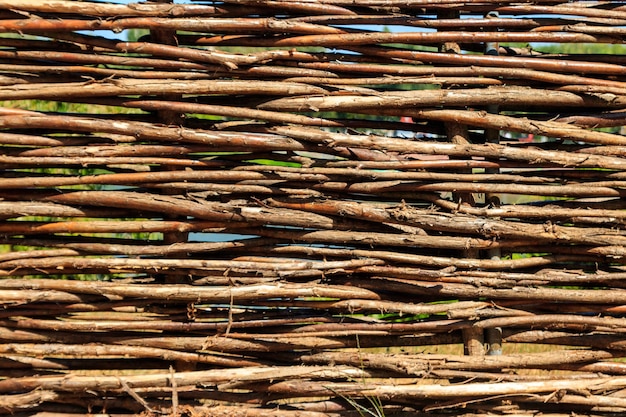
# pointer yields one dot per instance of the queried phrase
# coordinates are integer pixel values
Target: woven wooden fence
(313, 208)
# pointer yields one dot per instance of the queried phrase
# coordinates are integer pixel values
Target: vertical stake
(169, 117)
(492, 136)
(473, 341)
(494, 341)
(473, 337)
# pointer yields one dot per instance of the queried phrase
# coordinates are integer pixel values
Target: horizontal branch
(106, 226)
(109, 9)
(493, 151)
(509, 96)
(471, 292)
(115, 87)
(470, 67)
(185, 293)
(113, 352)
(214, 141)
(421, 364)
(459, 223)
(192, 24)
(75, 383)
(472, 390)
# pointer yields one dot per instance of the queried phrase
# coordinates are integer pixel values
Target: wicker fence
(313, 208)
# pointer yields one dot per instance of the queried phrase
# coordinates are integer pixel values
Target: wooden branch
(69, 383)
(503, 62)
(493, 151)
(344, 167)
(540, 277)
(112, 351)
(227, 344)
(134, 247)
(429, 261)
(488, 71)
(431, 220)
(430, 98)
(563, 9)
(172, 70)
(422, 364)
(108, 9)
(105, 226)
(193, 293)
(318, 177)
(519, 211)
(15, 402)
(417, 392)
(192, 24)
(468, 292)
(129, 86)
(222, 141)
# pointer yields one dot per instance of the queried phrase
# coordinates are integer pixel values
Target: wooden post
(169, 117)
(172, 117)
(473, 341)
(493, 336)
(492, 136)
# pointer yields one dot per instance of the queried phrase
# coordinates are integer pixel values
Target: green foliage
(572, 48)
(133, 35)
(272, 162)
(51, 106)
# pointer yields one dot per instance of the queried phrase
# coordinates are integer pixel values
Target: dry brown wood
(447, 222)
(223, 343)
(519, 211)
(563, 9)
(205, 210)
(421, 364)
(180, 70)
(318, 330)
(193, 24)
(377, 240)
(112, 352)
(104, 226)
(235, 112)
(390, 80)
(472, 118)
(431, 261)
(456, 97)
(505, 72)
(113, 87)
(109, 9)
(102, 246)
(155, 10)
(480, 391)
(217, 141)
(16, 402)
(469, 292)
(421, 38)
(418, 3)
(409, 188)
(260, 173)
(544, 276)
(193, 293)
(531, 156)
(70, 383)
(553, 320)
(140, 163)
(504, 62)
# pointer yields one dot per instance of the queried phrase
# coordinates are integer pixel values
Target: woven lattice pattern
(313, 208)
